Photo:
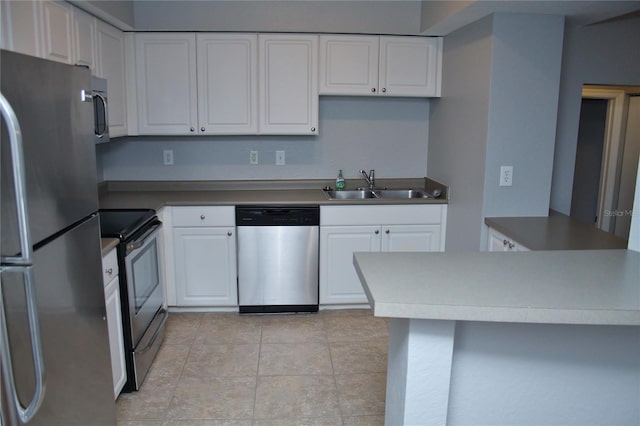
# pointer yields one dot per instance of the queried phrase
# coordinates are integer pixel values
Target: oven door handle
(135, 245)
(149, 345)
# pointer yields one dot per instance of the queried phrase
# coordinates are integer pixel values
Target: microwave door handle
(24, 414)
(101, 131)
(17, 160)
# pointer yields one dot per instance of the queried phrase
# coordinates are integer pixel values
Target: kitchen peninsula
(543, 337)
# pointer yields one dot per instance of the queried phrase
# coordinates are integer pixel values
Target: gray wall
(458, 130)
(383, 16)
(525, 78)
(499, 107)
(599, 54)
(386, 134)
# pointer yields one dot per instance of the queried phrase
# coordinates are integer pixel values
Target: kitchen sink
(402, 194)
(367, 194)
(350, 195)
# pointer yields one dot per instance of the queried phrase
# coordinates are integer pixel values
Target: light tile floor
(225, 369)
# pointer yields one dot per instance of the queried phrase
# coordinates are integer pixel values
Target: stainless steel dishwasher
(278, 258)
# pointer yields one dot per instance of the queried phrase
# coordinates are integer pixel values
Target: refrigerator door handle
(17, 160)
(23, 264)
(25, 414)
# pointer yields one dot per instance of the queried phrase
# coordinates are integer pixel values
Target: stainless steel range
(141, 287)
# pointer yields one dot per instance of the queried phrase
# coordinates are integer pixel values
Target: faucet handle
(372, 174)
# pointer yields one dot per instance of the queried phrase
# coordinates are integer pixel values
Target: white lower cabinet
(114, 320)
(348, 229)
(204, 253)
(500, 242)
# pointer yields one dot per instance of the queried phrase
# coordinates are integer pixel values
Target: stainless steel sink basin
(350, 195)
(383, 194)
(402, 194)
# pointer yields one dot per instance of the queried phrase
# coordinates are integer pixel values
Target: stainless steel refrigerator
(56, 368)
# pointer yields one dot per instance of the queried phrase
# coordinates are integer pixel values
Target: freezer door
(71, 307)
(57, 133)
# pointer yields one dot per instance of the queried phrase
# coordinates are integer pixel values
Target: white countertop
(557, 287)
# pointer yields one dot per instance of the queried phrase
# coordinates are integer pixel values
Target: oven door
(144, 284)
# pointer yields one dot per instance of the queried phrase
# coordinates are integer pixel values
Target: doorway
(607, 158)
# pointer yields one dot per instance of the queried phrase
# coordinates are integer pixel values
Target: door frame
(612, 150)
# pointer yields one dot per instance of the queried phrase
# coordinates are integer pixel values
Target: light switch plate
(280, 158)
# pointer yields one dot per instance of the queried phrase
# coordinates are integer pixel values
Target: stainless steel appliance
(56, 368)
(141, 287)
(100, 109)
(278, 258)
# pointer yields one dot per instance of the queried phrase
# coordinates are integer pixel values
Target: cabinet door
(410, 66)
(166, 83)
(339, 282)
(349, 65)
(57, 29)
(111, 65)
(116, 339)
(205, 265)
(84, 39)
(496, 241)
(227, 83)
(21, 28)
(411, 238)
(288, 83)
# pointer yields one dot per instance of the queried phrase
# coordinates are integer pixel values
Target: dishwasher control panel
(278, 216)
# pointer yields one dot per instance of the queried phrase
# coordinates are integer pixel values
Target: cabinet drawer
(109, 267)
(204, 216)
(395, 214)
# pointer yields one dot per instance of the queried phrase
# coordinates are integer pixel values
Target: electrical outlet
(167, 156)
(253, 157)
(506, 175)
(280, 158)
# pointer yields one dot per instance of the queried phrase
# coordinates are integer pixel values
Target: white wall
(598, 54)
(386, 134)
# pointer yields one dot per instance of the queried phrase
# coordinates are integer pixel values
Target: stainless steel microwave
(100, 110)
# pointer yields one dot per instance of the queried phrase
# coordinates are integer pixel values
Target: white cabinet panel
(166, 83)
(57, 29)
(111, 65)
(84, 39)
(227, 83)
(114, 320)
(339, 282)
(410, 66)
(500, 242)
(205, 266)
(349, 65)
(288, 83)
(409, 228)
(411, 237)
(21, 27)
(385, 65)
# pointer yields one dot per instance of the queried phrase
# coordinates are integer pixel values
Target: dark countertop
(157, 194)
(108, 244)
(554, 232)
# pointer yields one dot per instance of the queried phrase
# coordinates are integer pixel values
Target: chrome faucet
(370, 178)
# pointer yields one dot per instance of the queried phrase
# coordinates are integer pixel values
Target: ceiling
(443, 17)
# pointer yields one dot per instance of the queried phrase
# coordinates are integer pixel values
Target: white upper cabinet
(58, 30)
(21, 28)
(227, 67)
(84, 39)
(410, 66)
(111, 66)
(349, 65)
(196, 84)
(288, 83)
(166, 83)
(385, 65)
